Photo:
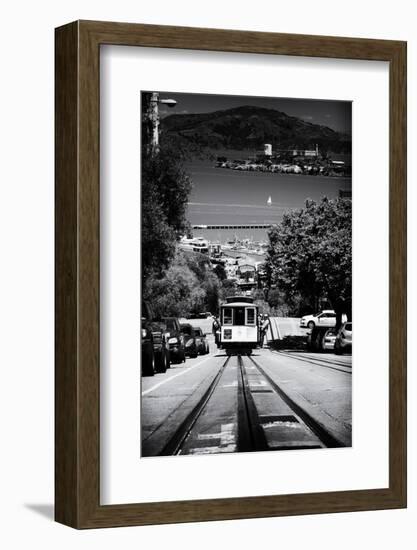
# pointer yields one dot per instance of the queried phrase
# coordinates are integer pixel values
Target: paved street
(281, 327)
(272, 400)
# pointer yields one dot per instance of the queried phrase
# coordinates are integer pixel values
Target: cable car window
(250, 316)
(227, 316)
(239, 316)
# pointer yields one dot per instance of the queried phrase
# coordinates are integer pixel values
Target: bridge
(240, 226)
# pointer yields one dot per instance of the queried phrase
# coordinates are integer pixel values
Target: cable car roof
(239, 304)
(245, 299)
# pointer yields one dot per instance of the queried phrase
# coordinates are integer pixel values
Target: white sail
(269, 201)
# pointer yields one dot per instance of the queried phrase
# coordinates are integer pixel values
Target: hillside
(249, 127)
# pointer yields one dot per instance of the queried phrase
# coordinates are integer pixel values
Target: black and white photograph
(246, 267)
(199, 200)
(199, 203)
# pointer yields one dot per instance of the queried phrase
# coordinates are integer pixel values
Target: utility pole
(150, 119)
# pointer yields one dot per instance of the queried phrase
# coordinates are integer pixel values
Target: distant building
(246, 285)
(247, 279)
(247, 268)
(309, 153)
(195, 245)
(215, 250)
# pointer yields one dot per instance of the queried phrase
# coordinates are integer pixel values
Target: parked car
(201, 341)
(175, 339)
(325, 318)
(148, 358)
(190, 343)
(343, 341)
(153, 332)
(328, 340)
(160, 337)
(198, 315)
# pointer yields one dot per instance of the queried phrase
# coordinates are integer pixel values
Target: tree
(187, 286)
(275, 297)
(310, 253)
(209, 282)
(247, 275)
(165, 191)
(229, 288)
(174, 186)
(177, 292)
(176, 283)
(220, 271)
(199, 263)
(258, 294)
(211, 285)
(158, 238)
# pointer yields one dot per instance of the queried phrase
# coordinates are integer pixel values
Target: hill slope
(250, 127)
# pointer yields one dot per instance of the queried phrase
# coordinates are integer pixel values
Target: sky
(334, 114)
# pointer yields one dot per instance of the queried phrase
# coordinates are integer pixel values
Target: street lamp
(152, 116)
(170, 102)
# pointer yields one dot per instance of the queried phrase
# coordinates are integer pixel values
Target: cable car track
(174, 445)
(325, 359)
(327, 439)
(318, 362)
(251, 434)
(247, 412)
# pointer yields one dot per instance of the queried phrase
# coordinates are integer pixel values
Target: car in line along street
(154, 343)
(329, 339)
(148, 358)
(343, 341)
(175, 339)
(201, 341)
(325, 318)
(160, 337)
(190, 342)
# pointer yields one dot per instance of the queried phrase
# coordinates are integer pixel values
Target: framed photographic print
(228, 205)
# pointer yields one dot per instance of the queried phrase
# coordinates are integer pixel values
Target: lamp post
(151, 119)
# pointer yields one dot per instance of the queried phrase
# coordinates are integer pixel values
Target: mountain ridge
(248, 126)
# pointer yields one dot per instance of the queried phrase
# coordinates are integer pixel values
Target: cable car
(239, 325)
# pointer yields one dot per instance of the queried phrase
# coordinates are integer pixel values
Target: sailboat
(269, 201)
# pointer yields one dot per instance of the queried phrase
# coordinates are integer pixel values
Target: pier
(244, 226)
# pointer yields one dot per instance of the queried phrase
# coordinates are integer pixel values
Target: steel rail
(317, 362)
(324, 358)
(251, 436)
(173, 446)
(318, 429)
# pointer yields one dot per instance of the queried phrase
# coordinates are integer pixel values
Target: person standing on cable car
(215, 330)
(264, 328)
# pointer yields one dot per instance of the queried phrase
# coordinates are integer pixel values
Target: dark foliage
(165, 191)
(310, 255)
(220, 272)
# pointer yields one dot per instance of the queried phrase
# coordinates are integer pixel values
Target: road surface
(271, 400)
